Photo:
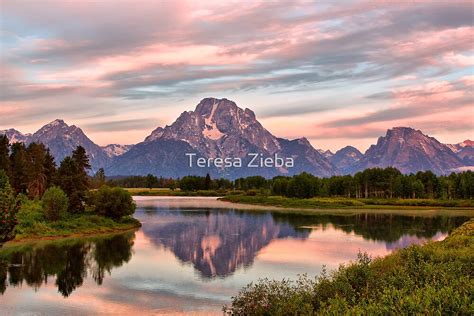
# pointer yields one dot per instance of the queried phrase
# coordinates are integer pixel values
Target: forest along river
(193, 254)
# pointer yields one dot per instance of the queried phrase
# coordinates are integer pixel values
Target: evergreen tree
(36, 171)
(4, 155)
(207, 182)
(99, 178)
(50, 168)
(151, 181)
(19, 162)
(70, 180)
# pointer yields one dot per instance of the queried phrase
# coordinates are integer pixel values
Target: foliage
(433, 279)
(34, 174)
(113, 202)
(33, 224)
(99, 179)
(5, 163)
(8, 208)
(74, 180)
(387, 183)
(55, 203)
(150, 181)
(341, 202)
(195, 183)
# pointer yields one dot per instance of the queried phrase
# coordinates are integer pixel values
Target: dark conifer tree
(19, 162)
(66, 179)
(73, 179)
(207, 182)
(36, 171)
(5, 155)
(50, 168)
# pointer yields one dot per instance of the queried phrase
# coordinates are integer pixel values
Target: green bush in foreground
(55, 204)
(435, 279)
(113, 202)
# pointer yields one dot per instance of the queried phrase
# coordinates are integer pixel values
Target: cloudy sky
(337, 72)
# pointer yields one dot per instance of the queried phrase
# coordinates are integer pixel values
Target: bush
(113, 202)
(434, 279)
(55, 203)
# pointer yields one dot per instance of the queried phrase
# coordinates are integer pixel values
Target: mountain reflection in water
(217, 242)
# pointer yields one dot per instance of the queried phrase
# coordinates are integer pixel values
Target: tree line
(370, 183)
(187, 183)
(30, 172)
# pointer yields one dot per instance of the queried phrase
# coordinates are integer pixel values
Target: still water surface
(192, 255)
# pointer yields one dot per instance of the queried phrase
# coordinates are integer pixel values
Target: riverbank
(342, 203)
(169, 192)
(72, 226)
(432, 279)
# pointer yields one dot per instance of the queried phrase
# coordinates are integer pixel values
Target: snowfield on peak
(211, 130)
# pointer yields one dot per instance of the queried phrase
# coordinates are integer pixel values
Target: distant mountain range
(218, 128)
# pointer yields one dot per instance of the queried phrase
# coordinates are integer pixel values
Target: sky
(337, 72)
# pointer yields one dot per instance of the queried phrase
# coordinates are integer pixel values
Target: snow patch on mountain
(211, 131)
(114, 150)
(15, 136)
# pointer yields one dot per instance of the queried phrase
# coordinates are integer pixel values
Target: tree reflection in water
(69, 261)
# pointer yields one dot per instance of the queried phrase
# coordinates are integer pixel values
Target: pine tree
(72, 177)
(36, 171)
(19, 162)
(50, 169)
(66, 179)
(4, 155)
(207, 182)
(99, 178)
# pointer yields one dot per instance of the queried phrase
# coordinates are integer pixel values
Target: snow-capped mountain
(465, 151)
(346, 159)
(217, 128)
(62, 139)
(15, 136)
(409, 151)
(113, 150)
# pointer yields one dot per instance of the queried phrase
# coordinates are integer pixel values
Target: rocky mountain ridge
(218, 128)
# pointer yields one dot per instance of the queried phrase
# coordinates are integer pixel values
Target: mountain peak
(348, 149)
(401, 131)
(57, 122)
(467, 143)
(410, 150)
(209, 106)
(15, 136)
(346, 159)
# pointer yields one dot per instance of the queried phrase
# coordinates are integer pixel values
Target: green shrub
(435, 279)
(113, 202)
(55, 204)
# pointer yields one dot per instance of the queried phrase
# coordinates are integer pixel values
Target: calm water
(192, 255)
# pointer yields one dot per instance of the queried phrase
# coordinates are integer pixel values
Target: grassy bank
(168, 192)
(321, 203)
(32, 224)
(434, 279)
